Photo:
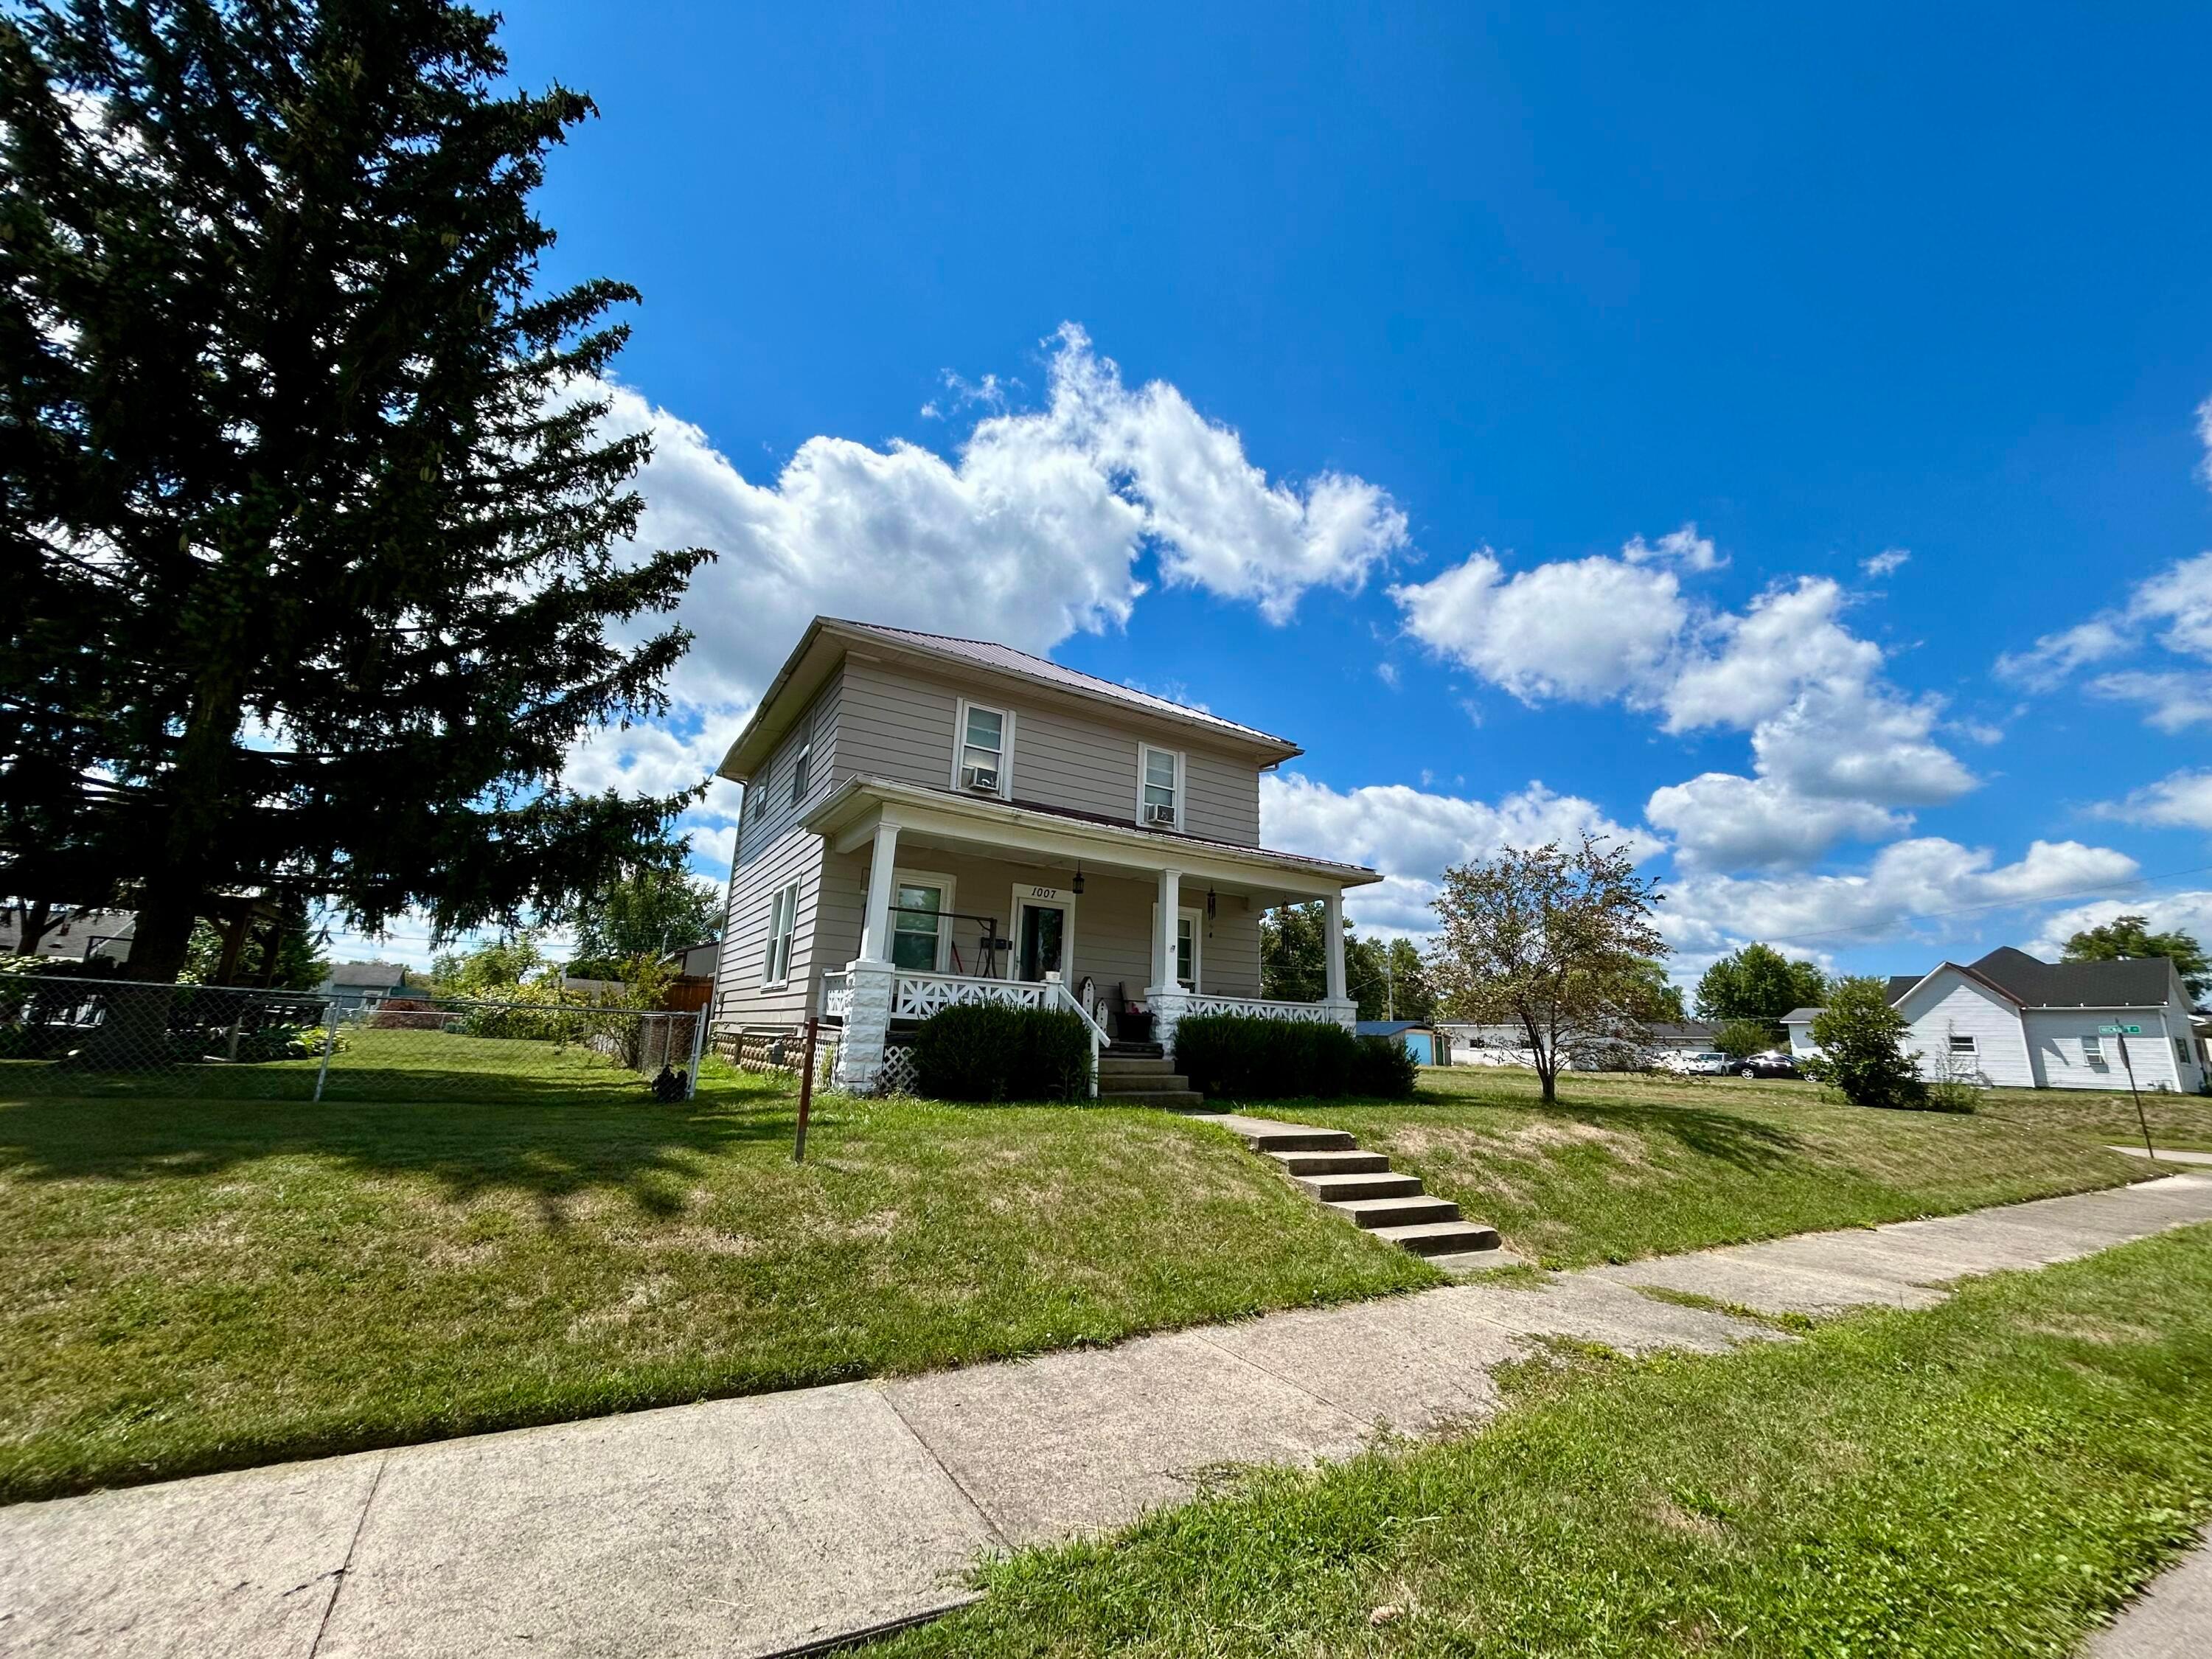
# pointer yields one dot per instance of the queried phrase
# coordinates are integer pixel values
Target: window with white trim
(980, 762)
(783, 923)
(918, 924)
(1186, 970)
(799, 768)
(1159, 786)
(2093, 1048)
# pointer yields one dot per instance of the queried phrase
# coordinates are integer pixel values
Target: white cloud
(2172, 608)
(1924, 880)
(1585, 631)
(1888, 560)
(2175, 700)
(2191, 912)
(2205, 436)
(1684, 547)
(1412, 835)
(1752, 666)
(1854, 742)
(2182, 800)
(1035, 524)
(1721, 821)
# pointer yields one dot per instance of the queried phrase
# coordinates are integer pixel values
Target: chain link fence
(67, 1035)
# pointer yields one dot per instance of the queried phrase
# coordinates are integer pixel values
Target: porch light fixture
(1077, 887)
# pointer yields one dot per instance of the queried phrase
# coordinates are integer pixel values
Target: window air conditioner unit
(983, 779)
(1156, 813)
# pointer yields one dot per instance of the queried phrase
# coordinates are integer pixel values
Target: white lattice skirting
(900, 1072)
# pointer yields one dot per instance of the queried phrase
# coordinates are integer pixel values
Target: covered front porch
(946, 899)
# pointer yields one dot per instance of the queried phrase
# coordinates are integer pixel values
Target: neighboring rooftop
(2131, 982)
(367, 973)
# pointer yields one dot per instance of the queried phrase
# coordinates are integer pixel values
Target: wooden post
(805, 1090)
(2149, 1151)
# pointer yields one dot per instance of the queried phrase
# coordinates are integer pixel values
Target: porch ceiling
(1044, 838)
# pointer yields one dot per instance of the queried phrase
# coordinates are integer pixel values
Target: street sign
(2119, 1031)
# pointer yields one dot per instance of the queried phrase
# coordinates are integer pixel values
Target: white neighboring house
(2013, 1021)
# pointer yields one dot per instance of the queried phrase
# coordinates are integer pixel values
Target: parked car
(1773, 1063)
(1712, 1063)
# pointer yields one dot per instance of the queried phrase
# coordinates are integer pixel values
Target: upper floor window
(1962, 1045)
(986, 736)
(800, 768)
(1160, 787)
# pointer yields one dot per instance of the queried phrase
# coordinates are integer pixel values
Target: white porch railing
(836, 995)
(917, 996)
(1259, 1008)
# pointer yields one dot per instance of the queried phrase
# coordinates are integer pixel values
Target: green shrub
(1251, 1057)
(1384, 1069)
(987, 1051)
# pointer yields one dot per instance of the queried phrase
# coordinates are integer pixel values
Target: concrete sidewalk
(758, 1526)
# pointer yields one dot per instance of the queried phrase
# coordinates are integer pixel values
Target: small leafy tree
(1740, 1038)
(1758, 982)
(651, 909)
(1552, 941)
(1862, 1043)
(2124, 937)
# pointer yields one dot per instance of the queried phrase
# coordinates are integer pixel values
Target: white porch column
(1333, 947)
(1163, 928)
(1165, 996)
(876, 923)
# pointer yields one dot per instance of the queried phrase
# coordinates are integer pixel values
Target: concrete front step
(1305, 1164)
(1131, 1065)
(1441, 1238)
(1334, 1189)
(1138, 1082)
(1171, 1100)
(1375, 1213)
(1272, 1139)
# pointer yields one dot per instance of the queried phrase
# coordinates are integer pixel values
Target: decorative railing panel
(836, 995)
(917, 996)
(1259, 1008)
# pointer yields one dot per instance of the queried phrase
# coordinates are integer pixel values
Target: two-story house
(929, 820)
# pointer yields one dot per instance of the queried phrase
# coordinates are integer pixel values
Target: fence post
(698, 1047)
(805, 1090)
(329, 1042)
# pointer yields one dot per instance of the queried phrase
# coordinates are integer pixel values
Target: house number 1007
(1044, 892)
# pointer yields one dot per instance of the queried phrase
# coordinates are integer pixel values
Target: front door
(1040, 940)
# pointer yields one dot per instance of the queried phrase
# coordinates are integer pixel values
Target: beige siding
(897, 722)
(773, 851)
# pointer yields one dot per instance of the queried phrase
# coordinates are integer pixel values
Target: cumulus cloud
(1752, 666)
(1720, 820)
(2182, 800)
(1889, 560)
(1584, 631)
(2173, 700)
(1921, 880)
(1684, 547)
(1411, 835)
(2054, 657)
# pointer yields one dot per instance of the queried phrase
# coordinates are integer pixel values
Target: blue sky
(1394, 359)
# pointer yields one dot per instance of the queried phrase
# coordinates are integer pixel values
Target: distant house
(85, 935)
(2014, 1021)
(354, 984)
(1665, 1043)
(1428, 1045)
(695, 961)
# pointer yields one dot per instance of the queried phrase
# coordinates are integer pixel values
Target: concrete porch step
(1374, 1213)
(1274, 1138)
(1114, 1065)
(1334, 1189)
(1440, 1237)
(1172, 1100)
(1137, 1082)
(1119, 1050)
(1333, 1162)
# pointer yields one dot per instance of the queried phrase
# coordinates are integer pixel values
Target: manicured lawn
(203, 1284)
(1991, 1476)
(1627, 1166)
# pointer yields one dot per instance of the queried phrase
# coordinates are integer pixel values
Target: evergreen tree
(1758, 982)
(313, 530)
(2123, 937)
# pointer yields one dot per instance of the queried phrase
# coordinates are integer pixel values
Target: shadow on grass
(552, 1149)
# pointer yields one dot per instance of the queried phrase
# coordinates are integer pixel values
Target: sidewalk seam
(338, 1578)
(943, 1468)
